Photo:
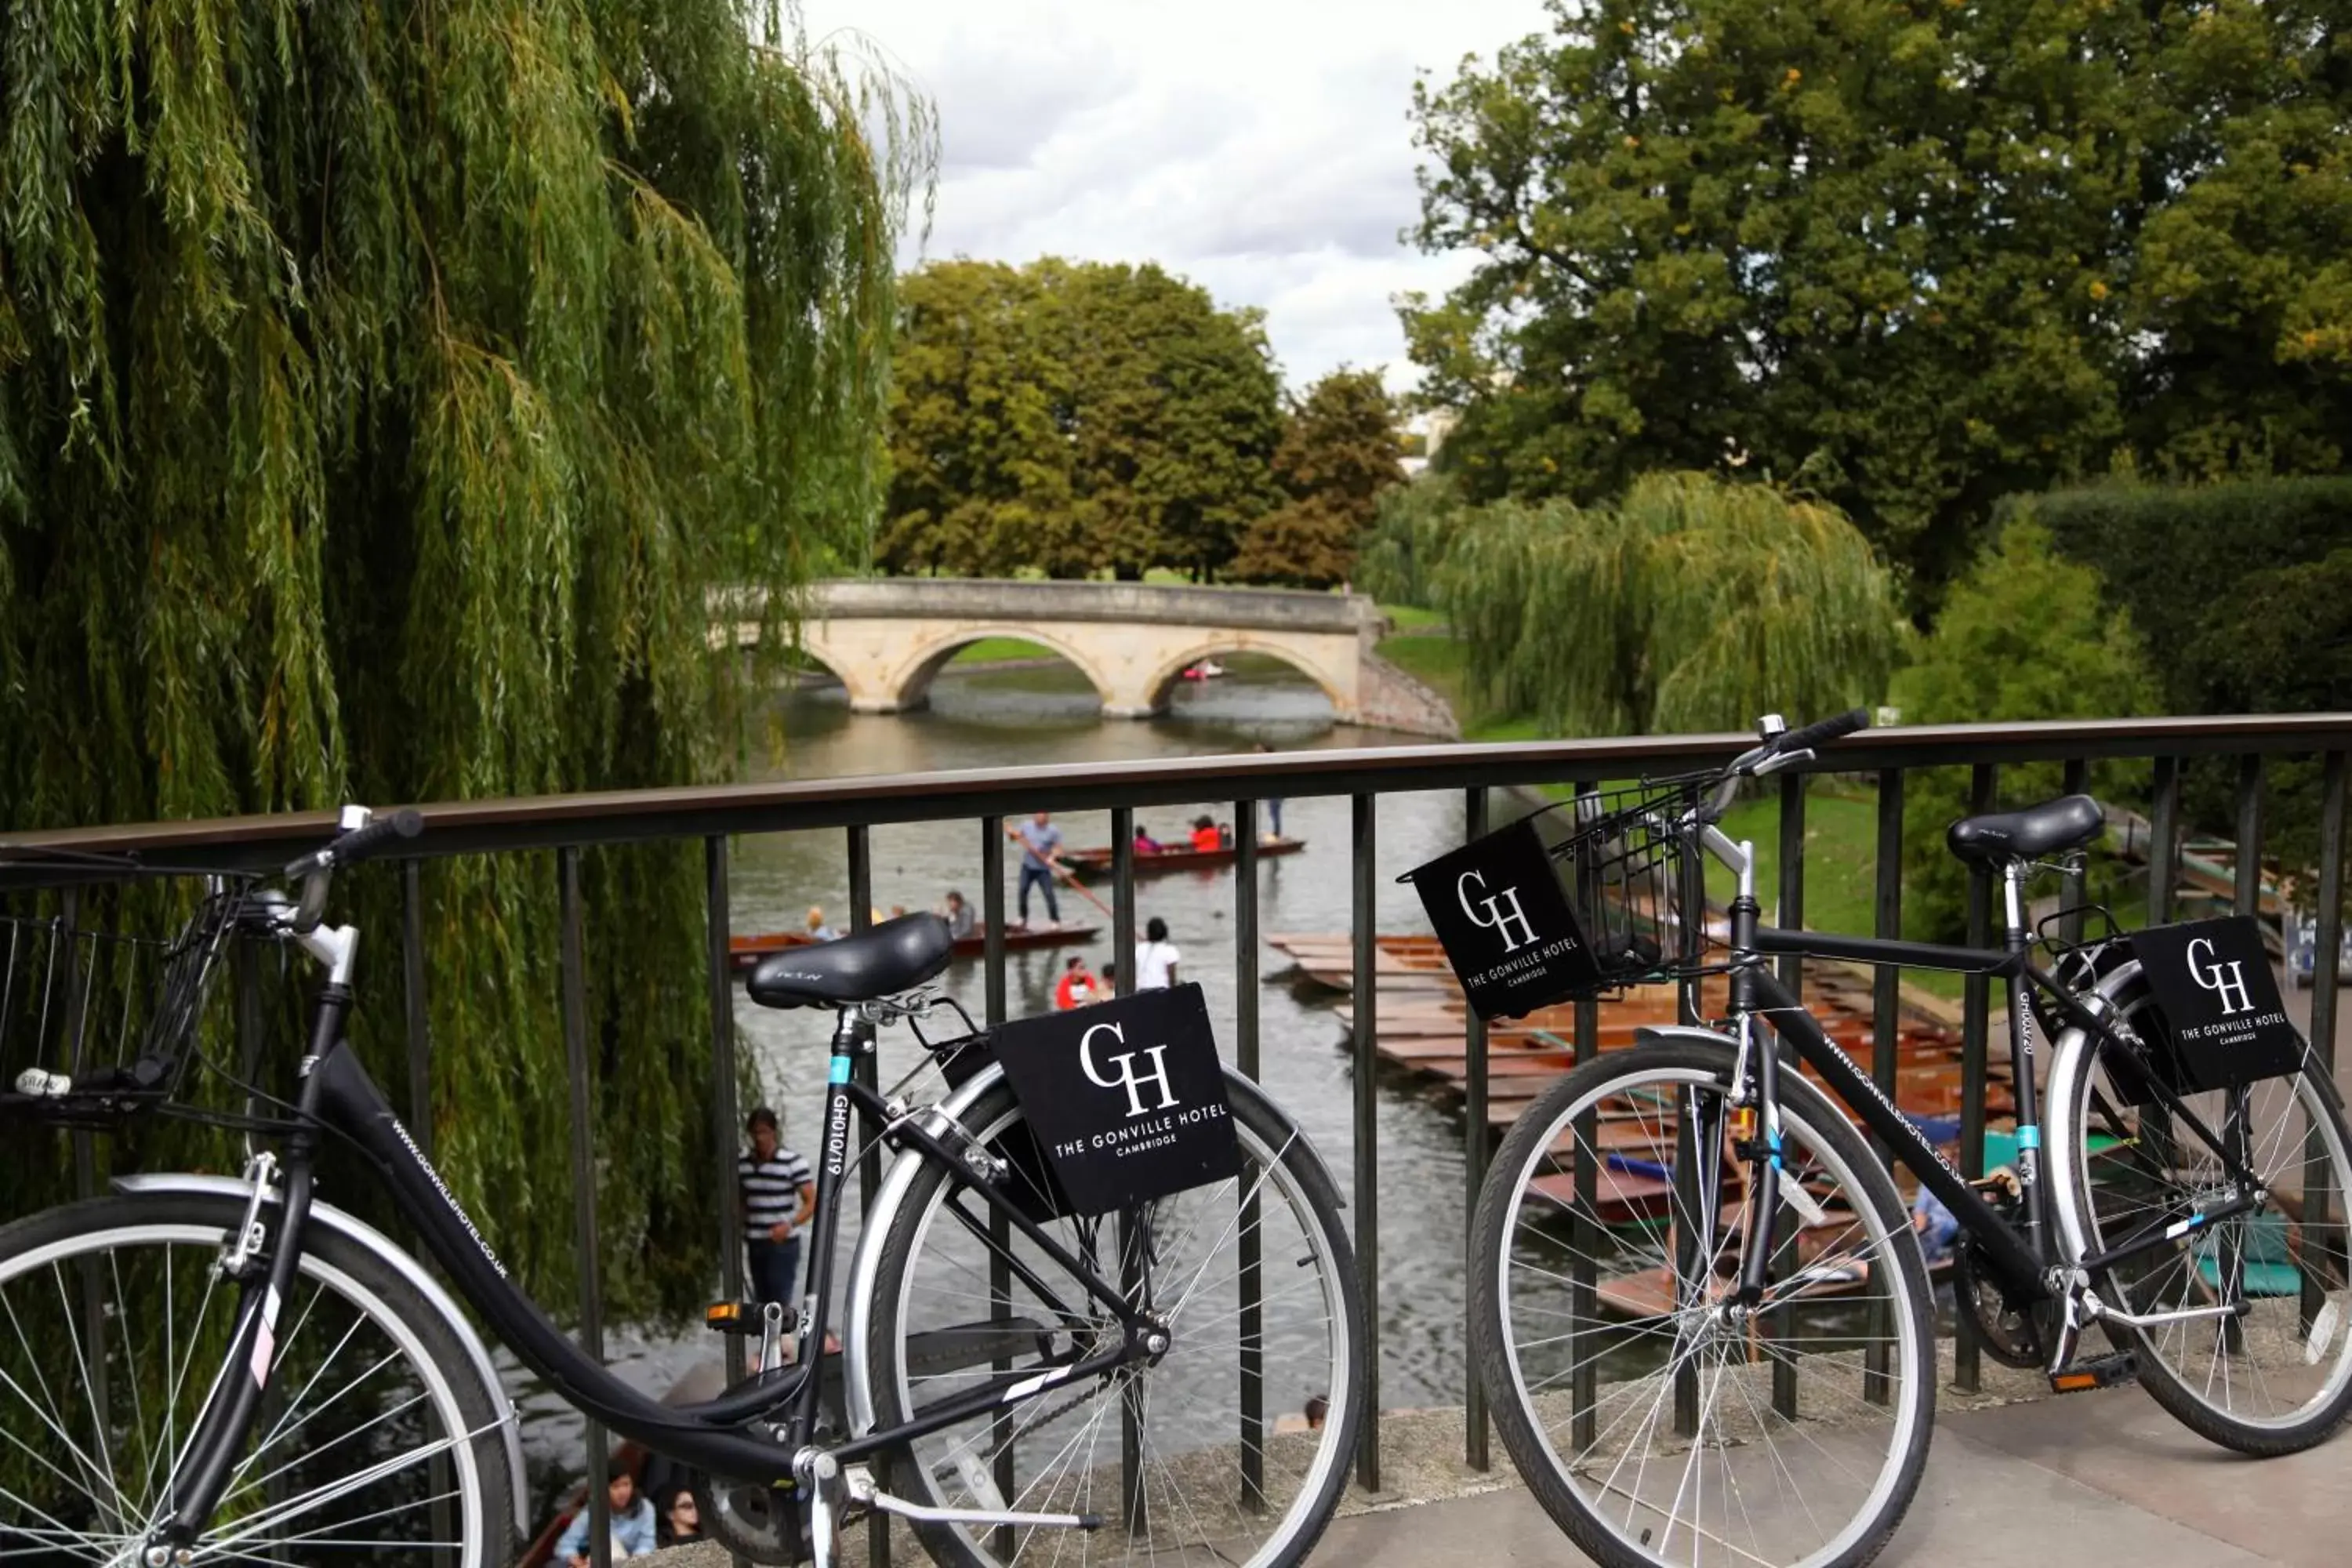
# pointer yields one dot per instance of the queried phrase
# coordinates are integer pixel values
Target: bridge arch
(1161, 684)
(911, 686)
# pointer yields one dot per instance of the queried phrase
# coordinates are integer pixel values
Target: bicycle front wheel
(1655, 1422)
(374, 1443)
(2272, 1375)
(1231, 1448)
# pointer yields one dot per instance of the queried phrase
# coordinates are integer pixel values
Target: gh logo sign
(2226, 981)
(1128, 1078)
(1489, 912)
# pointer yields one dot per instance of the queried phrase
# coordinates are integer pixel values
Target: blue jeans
(1044, 878)
(774, 1263)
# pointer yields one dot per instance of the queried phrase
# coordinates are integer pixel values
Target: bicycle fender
(370, 1240)
(1643, 1036)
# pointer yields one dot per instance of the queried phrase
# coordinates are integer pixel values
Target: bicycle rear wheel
(1653, 1425)
(1169, 1451)
(2276, 1377)
(374, 1442)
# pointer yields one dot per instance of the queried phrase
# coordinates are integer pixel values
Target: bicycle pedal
(735, 1318)
(2096, 1371)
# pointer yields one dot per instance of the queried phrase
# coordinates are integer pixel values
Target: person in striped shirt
(778, 1195)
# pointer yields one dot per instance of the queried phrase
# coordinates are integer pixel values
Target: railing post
(1583, 1303)
(2247, 873)
(725, 1121)
(2317, 1201)
(419, 1017)
(1975, 1021)
(1251, 1285)
(1134, 1505)
(1887, 1038)
(1475, 1153)
(1790, 916)
(2071, 885)
(2164, 834)
(999, 1230)
(418, 1021)
(1365, 912)
(583, 1180)
(868, 1070)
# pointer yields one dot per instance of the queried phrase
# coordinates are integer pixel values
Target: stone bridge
(888, 637)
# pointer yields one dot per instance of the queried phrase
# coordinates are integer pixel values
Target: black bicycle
(1698, 1301)
(201, 1369)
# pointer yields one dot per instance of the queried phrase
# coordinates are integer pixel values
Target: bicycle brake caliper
(238, 1251)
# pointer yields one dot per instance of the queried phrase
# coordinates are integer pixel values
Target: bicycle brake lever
(1779, 760)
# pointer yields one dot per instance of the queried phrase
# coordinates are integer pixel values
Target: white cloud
(1261, 150)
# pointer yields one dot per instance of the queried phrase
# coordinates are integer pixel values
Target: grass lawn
(1442, 664)
(1412, 617)
(990, 651)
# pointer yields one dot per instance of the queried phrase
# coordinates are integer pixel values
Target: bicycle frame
(2021, 1256)
(337, 1093)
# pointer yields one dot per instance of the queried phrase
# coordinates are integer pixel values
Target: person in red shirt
(1204, 835)
(1077, 987)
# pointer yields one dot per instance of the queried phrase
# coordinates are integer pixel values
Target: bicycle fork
(203, 1470)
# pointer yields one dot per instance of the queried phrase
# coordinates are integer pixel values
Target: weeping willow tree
(1691, 604)
(383, 391)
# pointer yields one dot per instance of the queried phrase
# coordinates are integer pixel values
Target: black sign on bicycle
(2213, 980)
(1127, 1098)
(1506, 927)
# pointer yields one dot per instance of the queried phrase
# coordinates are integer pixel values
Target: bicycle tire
(1293, 1171)
(1813, 1131)
(2170, 1357)
(73, 1239)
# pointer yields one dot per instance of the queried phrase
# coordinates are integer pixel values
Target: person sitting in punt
(1144, 843)
(961, 923)
(1205, 834)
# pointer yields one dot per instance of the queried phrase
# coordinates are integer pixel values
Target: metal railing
(565, 824)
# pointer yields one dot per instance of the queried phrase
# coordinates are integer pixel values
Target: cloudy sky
(1259, 147)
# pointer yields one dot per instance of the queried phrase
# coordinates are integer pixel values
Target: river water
(1043, 717)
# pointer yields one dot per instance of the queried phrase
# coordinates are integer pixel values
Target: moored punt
(1097, 862)
(744, 952)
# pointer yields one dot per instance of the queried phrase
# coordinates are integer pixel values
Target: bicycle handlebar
(1789, 745)
(1822, 732)
(316, 869)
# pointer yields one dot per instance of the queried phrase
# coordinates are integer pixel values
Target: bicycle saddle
(892, 957)
(2000, 836)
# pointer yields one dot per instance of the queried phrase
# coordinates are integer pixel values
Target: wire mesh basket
(1636, 883)
(97, 1024)
(1586, 896)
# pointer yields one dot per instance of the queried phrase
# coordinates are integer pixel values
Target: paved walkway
(2104, 1478)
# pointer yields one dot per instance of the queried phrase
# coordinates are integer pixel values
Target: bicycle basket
(96, 1025)
(1577, 898)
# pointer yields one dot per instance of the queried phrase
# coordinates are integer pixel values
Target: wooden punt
(745, 952)
(1097, 862)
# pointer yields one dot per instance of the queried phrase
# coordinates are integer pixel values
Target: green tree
(2024, 634)
(2279, 641)
(1073, 417)
(1918, 255)
(1337, 455)
(1691, 604)
(381, 397)
(1398, 558)
(980, 476)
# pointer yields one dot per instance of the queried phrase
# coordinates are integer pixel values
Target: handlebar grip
(359, 843)
(1823, 730)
